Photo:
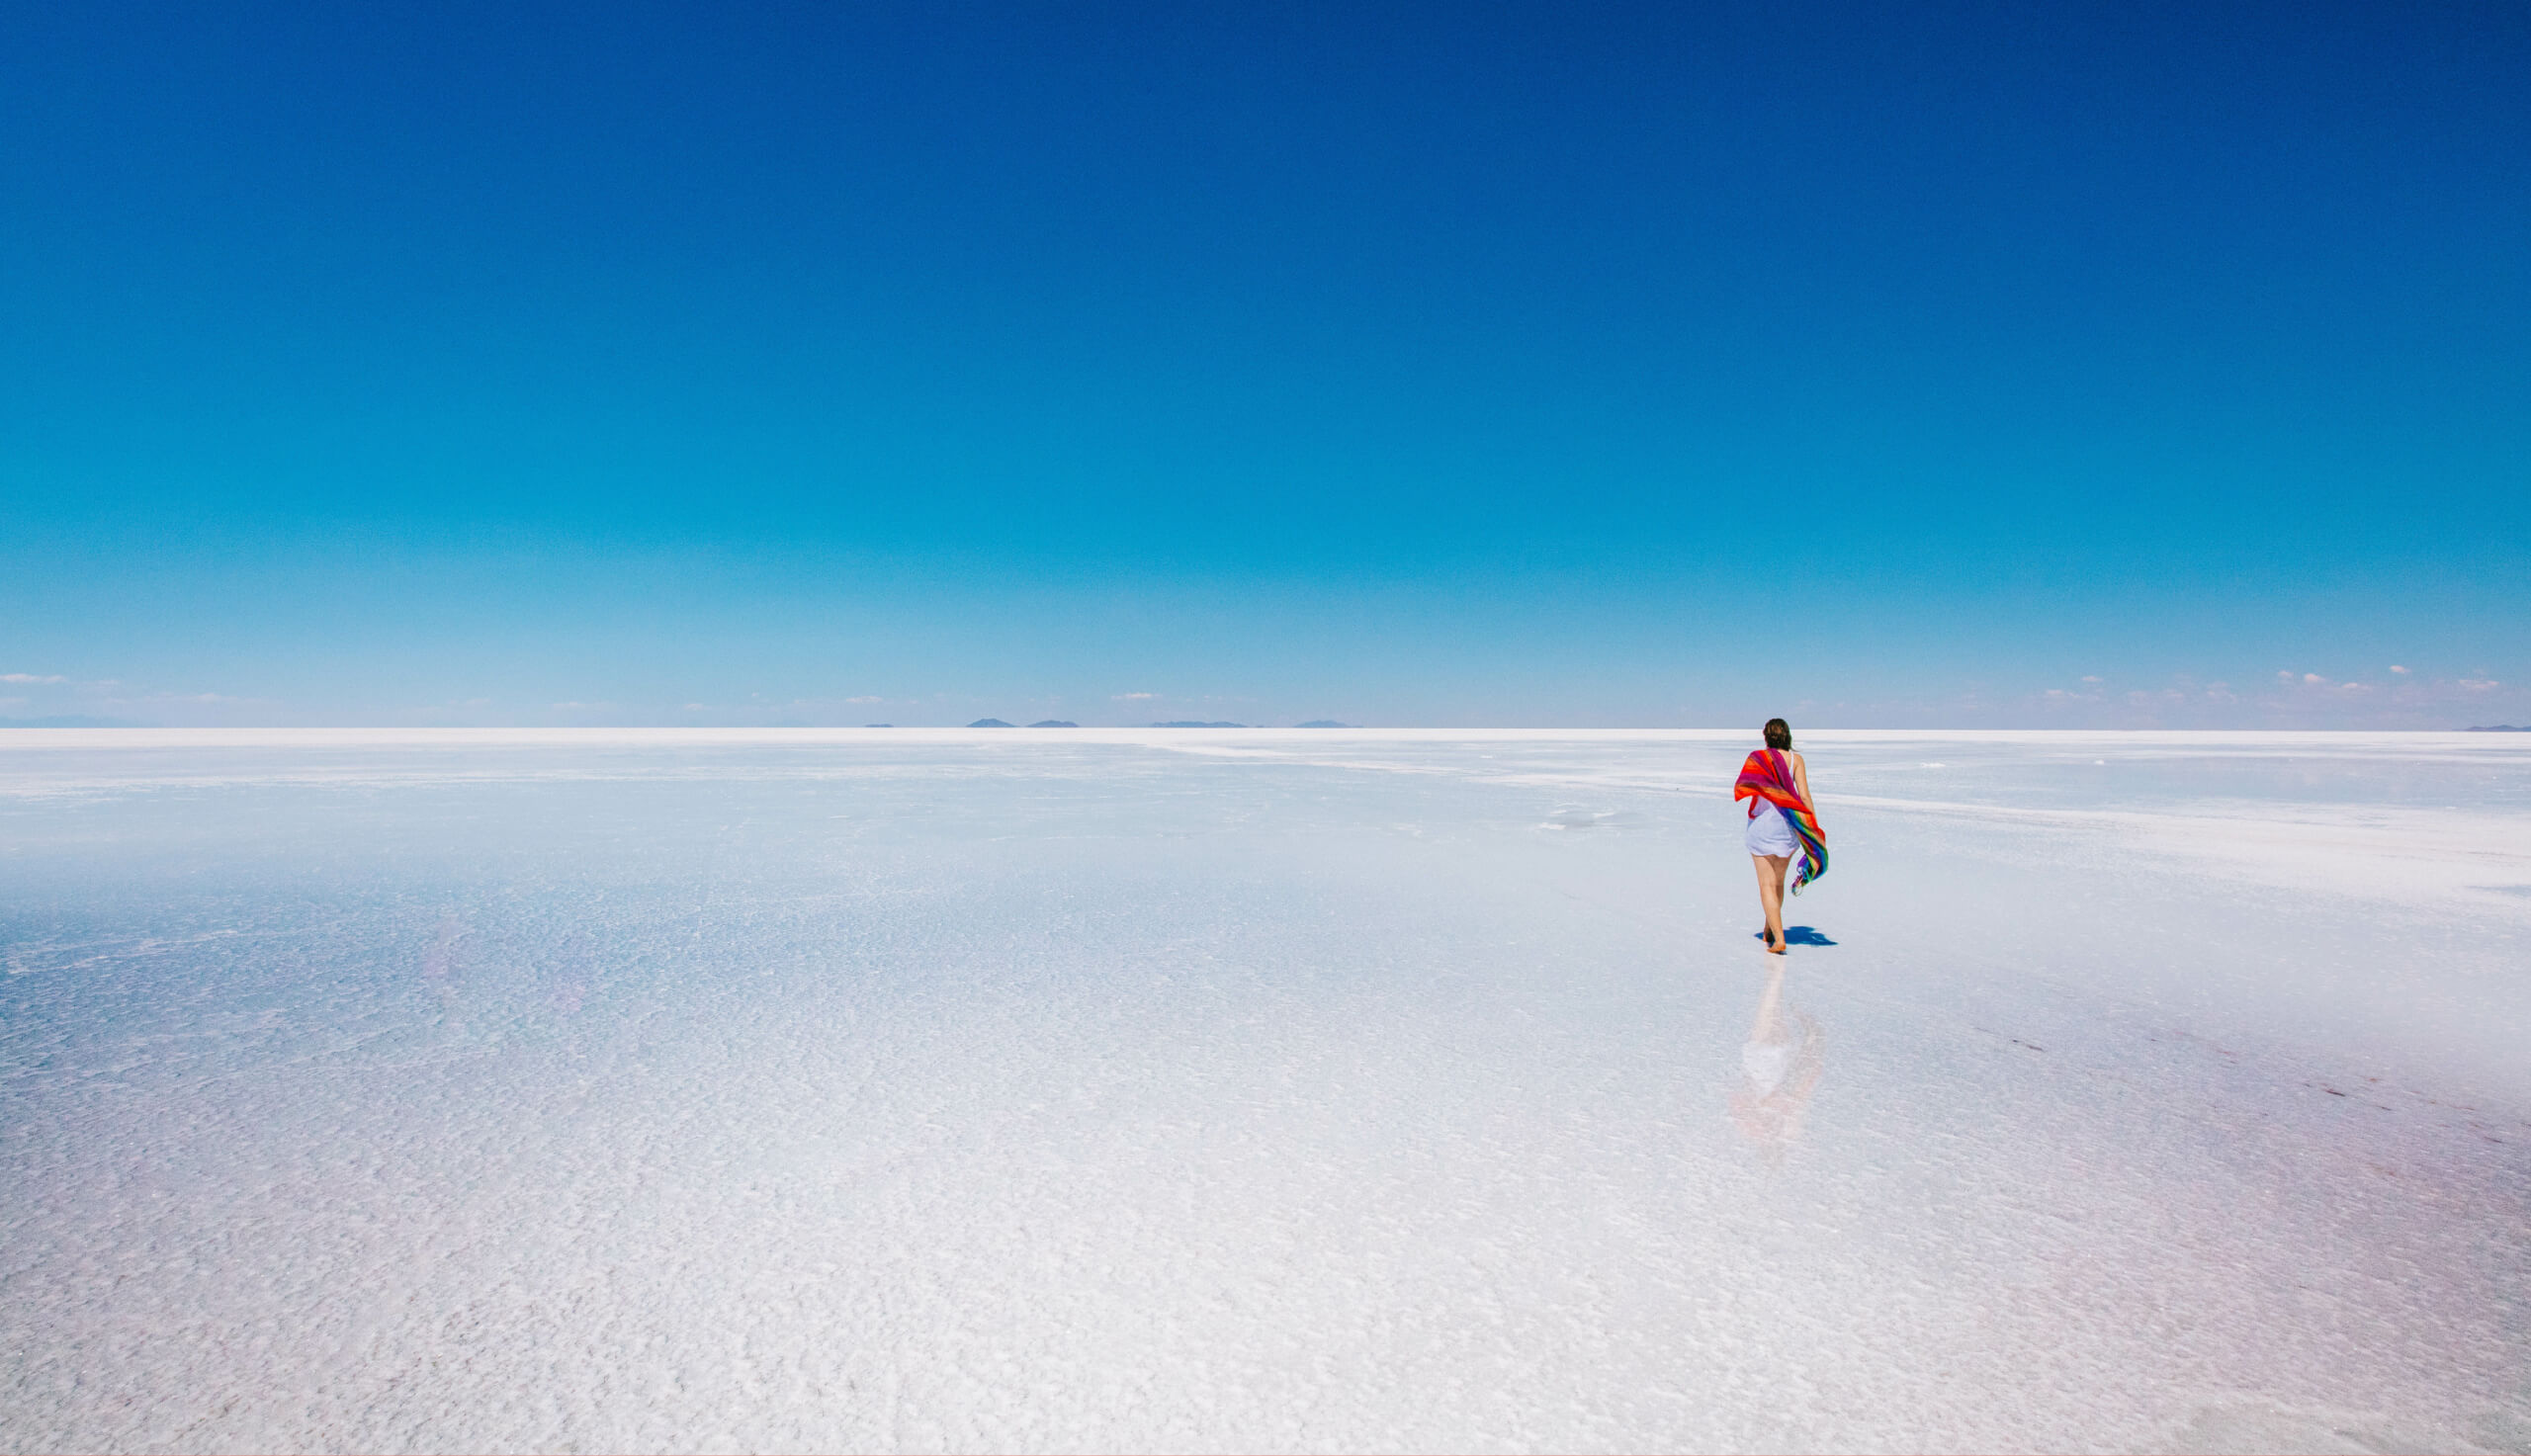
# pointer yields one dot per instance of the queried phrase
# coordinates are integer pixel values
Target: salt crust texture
(1367, 1091)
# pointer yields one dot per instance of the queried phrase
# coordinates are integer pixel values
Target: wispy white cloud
(2309, 683)
(1134, 697)
(33, 677)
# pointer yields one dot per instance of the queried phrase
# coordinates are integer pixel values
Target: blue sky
(1970, 366)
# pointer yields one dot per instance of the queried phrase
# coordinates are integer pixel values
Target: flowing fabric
(1766, 777)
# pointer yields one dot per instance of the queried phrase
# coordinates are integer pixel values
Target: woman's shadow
(1798, 935)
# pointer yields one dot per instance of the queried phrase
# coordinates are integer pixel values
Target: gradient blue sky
(1972, 366)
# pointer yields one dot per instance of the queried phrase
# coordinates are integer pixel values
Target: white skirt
(1772, 833)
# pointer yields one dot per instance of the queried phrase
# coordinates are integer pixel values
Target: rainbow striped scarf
(1767, 778)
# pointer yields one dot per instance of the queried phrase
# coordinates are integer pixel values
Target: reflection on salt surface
(1779, 1068)
(1247, 1090)
(439, 959)
(439, 969)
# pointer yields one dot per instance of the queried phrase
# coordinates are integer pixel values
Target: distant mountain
(2501, 728)
(1052, 722)
(1322, 723)
(878, 725)
(1200, 724)
(987, 723)
(74, 720)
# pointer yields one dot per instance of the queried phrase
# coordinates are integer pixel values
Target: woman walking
(1783, 823)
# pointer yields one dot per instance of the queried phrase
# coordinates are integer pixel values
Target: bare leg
(1771, 868)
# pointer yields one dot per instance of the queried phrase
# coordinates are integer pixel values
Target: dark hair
(1779, 735)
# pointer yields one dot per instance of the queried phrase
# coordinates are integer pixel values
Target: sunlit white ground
(1257, 1090)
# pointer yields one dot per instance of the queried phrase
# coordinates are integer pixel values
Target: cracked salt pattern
(1328, 1090)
